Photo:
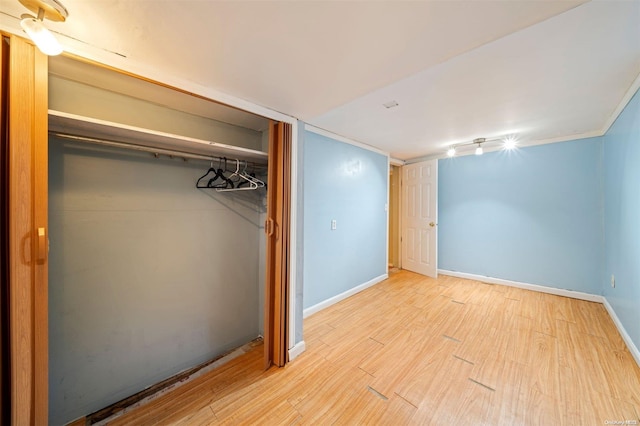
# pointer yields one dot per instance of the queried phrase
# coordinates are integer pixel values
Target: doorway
(394, 217)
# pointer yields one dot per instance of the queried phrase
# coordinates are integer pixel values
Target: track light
(34, 26)
(479, 141)
(509, 143)
(41, 36)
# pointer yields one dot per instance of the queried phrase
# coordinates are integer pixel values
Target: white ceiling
(458, 69)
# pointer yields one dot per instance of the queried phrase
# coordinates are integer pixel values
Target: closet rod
(157, 151)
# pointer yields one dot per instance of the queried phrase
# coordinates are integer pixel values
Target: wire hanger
(252, 185)
(250, 178)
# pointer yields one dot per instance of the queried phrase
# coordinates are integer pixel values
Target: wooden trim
(278, 244)
(292, 320)
(21, 95)
(5, 356)
(40, 201)
(270, 252)
(393, 219)
(276, 295)
(281, 296)
(400, 214)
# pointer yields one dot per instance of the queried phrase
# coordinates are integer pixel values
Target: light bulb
(451, 152)
(41, 36)
(479, 150)
(509, 143)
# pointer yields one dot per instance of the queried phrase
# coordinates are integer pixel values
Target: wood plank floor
(417, 350)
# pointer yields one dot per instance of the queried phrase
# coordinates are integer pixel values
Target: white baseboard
(297, 350)
(623, 332)
(335, 299)
(558, 292)
(534, 287)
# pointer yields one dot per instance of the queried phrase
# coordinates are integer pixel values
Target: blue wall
(622, 217)
(348, 184)
(532, 215)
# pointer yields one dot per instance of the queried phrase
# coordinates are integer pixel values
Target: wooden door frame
(394, 203)
(400, 192)
(5, 354)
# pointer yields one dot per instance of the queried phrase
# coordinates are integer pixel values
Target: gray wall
(148, 275)
(78, 98)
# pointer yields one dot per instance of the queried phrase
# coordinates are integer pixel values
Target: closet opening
(159, 260)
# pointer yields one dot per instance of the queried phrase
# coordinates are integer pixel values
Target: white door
(419, 235)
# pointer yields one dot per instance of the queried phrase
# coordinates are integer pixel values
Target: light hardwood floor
(416, 350)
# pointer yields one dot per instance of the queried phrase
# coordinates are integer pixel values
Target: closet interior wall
(148, 275)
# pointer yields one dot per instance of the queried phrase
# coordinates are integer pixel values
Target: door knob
(431, 224)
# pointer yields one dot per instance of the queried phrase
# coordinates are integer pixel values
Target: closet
(158, 256)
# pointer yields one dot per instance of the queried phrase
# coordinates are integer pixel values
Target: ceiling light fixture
(479, 144)
(479, 141)
(508, 143)
(34, 27)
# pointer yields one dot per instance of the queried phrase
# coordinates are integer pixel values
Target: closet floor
(417, 350)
